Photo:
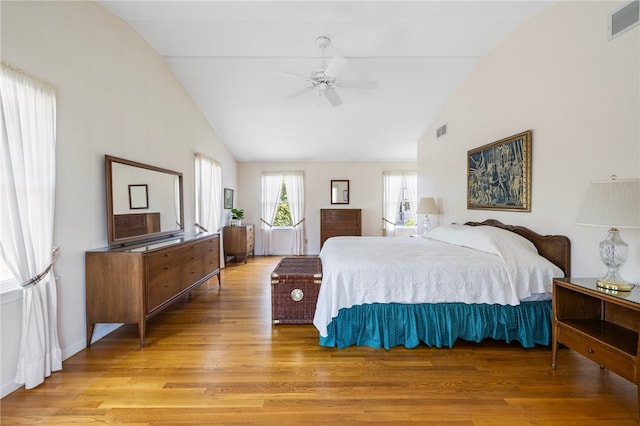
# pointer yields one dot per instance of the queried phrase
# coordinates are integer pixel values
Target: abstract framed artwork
(499, 175)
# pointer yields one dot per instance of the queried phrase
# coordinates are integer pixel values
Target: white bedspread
(361, 270)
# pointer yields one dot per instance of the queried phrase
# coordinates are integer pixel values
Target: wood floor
(214, 357)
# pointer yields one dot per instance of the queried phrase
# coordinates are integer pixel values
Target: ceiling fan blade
(290, 74)
(337, 64)
(333, 97)
(358, 84)
(300, 92)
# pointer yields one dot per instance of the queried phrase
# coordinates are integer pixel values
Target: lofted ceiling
(230, 57)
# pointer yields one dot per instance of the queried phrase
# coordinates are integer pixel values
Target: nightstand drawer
(597, 351)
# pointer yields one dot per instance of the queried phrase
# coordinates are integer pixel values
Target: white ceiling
(227, 54)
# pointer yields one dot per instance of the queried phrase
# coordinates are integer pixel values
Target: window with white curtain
(283, 207)
(399, 201)
(208, 187)
(27, 191)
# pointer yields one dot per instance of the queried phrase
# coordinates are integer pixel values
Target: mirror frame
(336, 182)
(111, 235)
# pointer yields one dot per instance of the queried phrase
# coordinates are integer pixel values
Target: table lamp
(427, 206)
(613, 203)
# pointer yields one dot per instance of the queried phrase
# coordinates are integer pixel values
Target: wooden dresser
(238, 241)
(131, 284)
(339, 222)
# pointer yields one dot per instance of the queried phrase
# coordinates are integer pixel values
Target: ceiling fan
(325, 80)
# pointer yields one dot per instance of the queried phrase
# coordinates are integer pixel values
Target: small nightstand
(600, 324)
(238, 241)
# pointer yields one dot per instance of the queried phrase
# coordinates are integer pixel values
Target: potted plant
(237, 215)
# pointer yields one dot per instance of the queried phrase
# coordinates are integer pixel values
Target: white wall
(559, 76)
(365, 189)
(115, 95)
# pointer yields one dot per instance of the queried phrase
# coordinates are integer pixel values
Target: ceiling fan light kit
(325, 79)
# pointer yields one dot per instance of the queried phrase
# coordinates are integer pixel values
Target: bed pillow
(485, 238)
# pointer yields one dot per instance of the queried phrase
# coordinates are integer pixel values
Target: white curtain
(271, 189)
(294, 182)
(27, 191)
(208, 193)
(208, 188)
(392, 195)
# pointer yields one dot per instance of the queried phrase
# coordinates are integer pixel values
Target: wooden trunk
(295, 284)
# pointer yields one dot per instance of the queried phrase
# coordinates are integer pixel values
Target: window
(283, 213)
(406, 215)
(283, 207)
(399, 200)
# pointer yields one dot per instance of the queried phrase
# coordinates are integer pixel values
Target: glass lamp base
(617, 286)
(427, 224)
(614, 252)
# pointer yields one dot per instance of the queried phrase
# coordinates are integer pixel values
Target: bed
(474, 281)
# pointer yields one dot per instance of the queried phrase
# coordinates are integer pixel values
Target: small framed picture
(228, 198)
(138, 197)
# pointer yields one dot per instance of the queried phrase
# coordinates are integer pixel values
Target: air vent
(624, 19)
(442, 130)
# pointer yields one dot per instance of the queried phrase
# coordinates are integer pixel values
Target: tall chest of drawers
(130, 285)
(339, 222)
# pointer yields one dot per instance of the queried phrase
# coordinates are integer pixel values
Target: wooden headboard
(556, 248)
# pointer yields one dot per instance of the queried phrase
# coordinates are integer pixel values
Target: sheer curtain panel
(392, 195)
(271, 189)
(208, 193)
(209, 196)
(294, 182)
(28, 172)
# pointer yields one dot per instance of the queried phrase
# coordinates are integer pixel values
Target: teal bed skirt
(382, 325)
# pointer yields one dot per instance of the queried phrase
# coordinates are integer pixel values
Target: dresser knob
(590, 350)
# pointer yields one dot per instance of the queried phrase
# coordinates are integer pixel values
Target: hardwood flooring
(214, 357)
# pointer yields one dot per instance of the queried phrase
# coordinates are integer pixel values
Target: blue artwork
(499, 174)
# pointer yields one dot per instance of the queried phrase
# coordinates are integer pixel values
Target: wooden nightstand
(599, 324)
(238, 241)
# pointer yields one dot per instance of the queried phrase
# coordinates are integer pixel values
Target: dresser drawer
(163, 277)
(597, 351)
(192, 264)
(341, 216)
(211, 255)
(163, 288)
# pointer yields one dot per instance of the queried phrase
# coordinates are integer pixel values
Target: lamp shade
(427, 205)
(611, 203)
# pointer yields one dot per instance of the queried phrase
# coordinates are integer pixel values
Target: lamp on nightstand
(615, 204)
(427, 206)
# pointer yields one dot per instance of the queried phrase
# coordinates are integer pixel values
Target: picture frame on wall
(499, 175)
(228, 198)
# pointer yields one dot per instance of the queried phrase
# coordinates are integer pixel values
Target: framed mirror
(143, 202)
(339, 192)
